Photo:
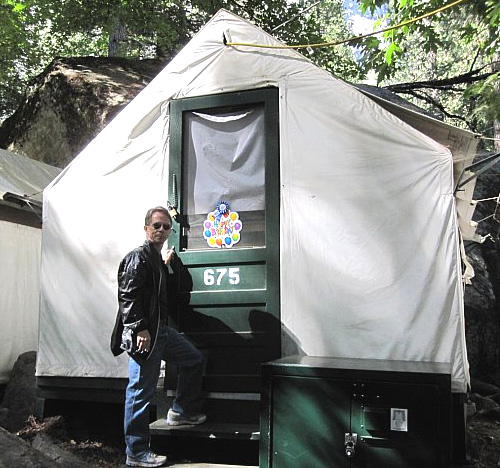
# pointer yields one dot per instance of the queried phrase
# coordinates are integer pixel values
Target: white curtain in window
(225, 154)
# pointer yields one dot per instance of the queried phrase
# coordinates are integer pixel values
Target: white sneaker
(150, 459)
(177, 419)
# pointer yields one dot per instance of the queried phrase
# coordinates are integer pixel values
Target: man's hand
(168, 254)
(143, 341)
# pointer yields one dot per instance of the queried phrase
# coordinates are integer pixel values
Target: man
(141, 330)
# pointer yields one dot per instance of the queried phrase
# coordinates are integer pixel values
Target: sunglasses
(157, 226)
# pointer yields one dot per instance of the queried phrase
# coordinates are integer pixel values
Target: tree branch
(465, 78)
(438, 105)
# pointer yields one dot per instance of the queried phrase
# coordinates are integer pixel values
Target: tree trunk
(116, 40)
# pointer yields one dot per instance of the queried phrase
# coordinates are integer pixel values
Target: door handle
(350, 441)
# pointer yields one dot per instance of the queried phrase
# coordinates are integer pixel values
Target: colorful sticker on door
(222, 228)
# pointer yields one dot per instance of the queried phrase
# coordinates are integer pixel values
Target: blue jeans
(143, 379)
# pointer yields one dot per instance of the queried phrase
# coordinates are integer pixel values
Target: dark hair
(149, 214)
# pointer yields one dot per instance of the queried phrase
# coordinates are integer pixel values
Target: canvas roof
(23, 177)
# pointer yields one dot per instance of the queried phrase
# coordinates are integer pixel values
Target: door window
(225, 164)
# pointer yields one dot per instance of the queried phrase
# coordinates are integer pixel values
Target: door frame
(267, 255)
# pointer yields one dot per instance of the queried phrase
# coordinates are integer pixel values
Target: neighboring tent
(21, 183)
(369, 240)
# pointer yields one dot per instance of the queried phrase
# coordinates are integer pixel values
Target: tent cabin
(21, 183)
(342, 214)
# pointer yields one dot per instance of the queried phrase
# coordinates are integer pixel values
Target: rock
(483, 438)
(491, 415)
(72, 100)
(482, 297)
(45, 444)
(483, 388)
(16, 453)
(495, 398)
(4, 416)
(20, 395)
(483, 403)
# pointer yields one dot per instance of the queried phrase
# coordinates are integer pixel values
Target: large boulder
(482, 297)
(68, 104)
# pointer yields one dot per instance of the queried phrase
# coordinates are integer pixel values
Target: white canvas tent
(369, 238)
(21, 183)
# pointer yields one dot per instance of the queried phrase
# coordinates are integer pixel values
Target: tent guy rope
(352, 39)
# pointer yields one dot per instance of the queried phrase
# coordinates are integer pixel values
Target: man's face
(159, 229)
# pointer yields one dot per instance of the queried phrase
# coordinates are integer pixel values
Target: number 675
(211, 276)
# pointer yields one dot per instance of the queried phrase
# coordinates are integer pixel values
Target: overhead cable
(352, 39)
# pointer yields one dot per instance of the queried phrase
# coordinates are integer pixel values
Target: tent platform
(211, 430)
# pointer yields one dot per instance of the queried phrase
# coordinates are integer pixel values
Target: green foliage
(430, 33)
(29, 43)
(34, 32)
(12, 43)
(129, 27)
(487, 99)
(339, 60)
(492, 12)
(449, 44)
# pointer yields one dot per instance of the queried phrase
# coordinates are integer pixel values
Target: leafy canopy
(449, 60)
(34, 32)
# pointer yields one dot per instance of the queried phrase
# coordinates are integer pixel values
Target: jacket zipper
(159, 317)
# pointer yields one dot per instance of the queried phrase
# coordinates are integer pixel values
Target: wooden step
(209, 429)
(207, 465)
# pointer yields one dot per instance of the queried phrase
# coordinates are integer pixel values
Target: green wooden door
(224, 173)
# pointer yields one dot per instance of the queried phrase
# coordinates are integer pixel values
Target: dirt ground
(92, 443)
(93, 434)
(484, 439)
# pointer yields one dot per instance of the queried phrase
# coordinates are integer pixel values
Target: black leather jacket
(138, 299)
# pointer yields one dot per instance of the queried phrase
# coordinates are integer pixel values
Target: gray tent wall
(462, 144)
(369, 237)
(21, 183)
